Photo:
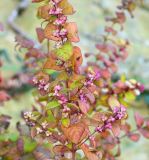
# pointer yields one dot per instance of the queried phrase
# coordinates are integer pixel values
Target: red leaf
(84, 106)
(139, 120)
(145, 132)
(105, 73)
(126, 128)
(40, 34)
(102, 47)
(20, 145)
(134, 136)
(110, 30)
(1, 27)
(116, 129)
(89, 95)
(23, 42)
(147, 123)
(33, 132)
(4, 96)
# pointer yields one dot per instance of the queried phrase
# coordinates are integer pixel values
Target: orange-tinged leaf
(76, 133)
(60, 149)
(113, 102)
(43, 12)
(89, 154)
(72, 32)
(48, 32)
(89, 95)
(116, 129)
(131, 6)
(77, 58)
(51, 63)
(67, 8)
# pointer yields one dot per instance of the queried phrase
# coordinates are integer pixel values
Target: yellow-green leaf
(65, 52)
(66, 122)
(53, 104)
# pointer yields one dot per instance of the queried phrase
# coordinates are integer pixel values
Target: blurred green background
(90, 19)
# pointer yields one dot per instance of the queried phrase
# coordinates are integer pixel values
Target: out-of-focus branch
(18, 11)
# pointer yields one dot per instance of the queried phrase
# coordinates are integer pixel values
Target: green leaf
(69, 145)
(50, 117)
(129, 96)
(123, 78)
(50, 71)
(66, 122)
(29, 145)
(36, 115)
(43, 98)
(9, 136)
(65, 52)
(53, 104)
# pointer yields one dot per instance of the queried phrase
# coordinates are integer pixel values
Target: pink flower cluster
(42, 85)
(60, 21)
(118, 114)
(91, 78)
(133, 85)
(60, 33)
(82, 96)
(55, 11)
(28, 116)
(62, 99)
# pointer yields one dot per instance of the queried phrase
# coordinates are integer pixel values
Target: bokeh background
(90, 18)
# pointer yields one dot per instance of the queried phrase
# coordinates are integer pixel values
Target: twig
(21, 7)
(18, 11)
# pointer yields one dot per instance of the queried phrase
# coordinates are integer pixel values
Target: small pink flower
(118, 114)
(55, 11)
(63, 32)
(60, 33)
(66, 109)
(57, 88)
(82, 97)
(141, 87)
(61, 20)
